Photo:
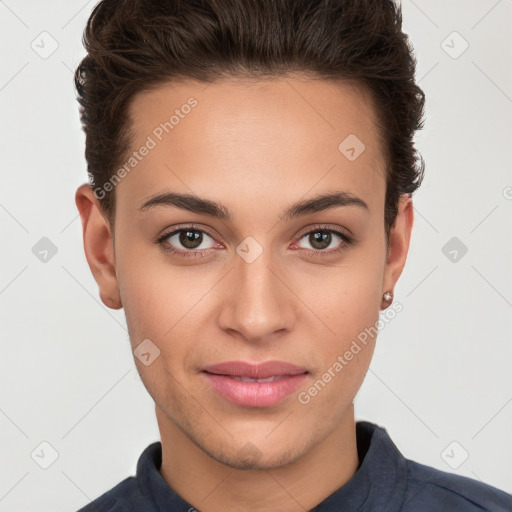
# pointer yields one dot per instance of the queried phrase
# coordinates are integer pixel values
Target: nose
(257, 304)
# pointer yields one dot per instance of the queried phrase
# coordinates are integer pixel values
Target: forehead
(233, 138)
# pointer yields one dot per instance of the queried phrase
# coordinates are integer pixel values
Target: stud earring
(387, 296)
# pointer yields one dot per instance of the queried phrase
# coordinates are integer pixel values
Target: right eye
(187, 241)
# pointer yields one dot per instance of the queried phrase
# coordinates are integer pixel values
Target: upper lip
(255, 370)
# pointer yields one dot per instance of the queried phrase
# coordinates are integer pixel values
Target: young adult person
(250, 207)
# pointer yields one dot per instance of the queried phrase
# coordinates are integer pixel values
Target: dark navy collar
(378, 484)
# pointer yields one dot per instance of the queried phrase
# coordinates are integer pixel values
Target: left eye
(321, 239)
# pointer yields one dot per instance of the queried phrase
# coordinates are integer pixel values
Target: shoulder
(432, 489)
(118, 498)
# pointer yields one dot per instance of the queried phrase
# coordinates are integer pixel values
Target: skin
(255, 147)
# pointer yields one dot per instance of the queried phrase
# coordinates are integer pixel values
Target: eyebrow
(199, 205)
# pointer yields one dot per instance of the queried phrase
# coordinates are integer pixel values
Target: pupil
(190, 239)
(323, 237)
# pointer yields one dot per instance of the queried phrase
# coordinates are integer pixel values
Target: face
(269, 273)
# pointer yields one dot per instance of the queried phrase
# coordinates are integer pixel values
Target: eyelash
(347, 241)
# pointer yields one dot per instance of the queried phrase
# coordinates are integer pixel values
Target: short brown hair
(134, 45)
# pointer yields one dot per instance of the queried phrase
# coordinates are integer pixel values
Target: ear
(399, 238)
(98, 246)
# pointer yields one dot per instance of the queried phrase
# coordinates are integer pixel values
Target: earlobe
(98, 246)
(399, 239)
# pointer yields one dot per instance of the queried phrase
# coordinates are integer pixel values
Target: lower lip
(255, 394)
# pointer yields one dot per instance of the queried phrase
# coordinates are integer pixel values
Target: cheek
(164, 303)
(160, 308)
(345, 353)
(346, 298)
(144, 295)
(154, 302)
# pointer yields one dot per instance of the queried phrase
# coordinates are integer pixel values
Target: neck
(297, 486)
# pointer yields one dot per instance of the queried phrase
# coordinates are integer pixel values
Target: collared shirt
(385, 481)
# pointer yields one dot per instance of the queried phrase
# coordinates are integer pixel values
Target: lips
(242, 370)
(248, 379)
(255, 384)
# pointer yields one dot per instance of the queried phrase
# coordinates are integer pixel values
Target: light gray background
(442, 368)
